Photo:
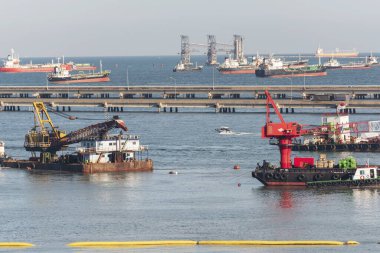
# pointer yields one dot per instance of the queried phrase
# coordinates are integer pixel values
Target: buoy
(173, 172)
(237, 167)
(239, 184)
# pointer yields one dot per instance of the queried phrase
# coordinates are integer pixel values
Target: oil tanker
(12, 64)
(62, 76)
(312, 70)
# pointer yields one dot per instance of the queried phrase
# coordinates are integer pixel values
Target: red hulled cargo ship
(12, 65)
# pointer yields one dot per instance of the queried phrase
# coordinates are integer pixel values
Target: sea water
(205, 200)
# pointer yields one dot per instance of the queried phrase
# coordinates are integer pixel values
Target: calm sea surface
(207, 200)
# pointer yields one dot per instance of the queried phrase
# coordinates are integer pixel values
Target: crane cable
(68, 116)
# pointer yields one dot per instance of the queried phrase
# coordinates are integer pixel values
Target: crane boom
(283, 131)
(94, 131)
(49, 141)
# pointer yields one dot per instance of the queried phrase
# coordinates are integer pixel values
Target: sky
(153, 27)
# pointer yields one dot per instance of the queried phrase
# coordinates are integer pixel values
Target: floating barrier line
(15, 244)
(275, 243)
(133, 243)
(193, 243)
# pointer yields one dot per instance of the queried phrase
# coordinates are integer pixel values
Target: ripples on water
(207, 199)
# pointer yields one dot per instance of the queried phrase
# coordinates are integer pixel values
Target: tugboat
(372, 60)
(332, 64)
(232, 66)
(303, 171)
(181, 67)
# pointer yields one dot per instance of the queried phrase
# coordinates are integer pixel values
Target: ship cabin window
(362, 172)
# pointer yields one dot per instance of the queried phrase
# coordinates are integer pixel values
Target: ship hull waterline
(85, 80)
(310, 178)
(86, 168)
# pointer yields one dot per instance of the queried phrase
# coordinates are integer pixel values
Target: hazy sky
(153, 27)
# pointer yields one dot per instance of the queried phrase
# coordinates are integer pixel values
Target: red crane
(284, 132)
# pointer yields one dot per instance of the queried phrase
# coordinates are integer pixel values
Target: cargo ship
(12, 64)
(355, 65)
(304, 171)
(275, 68)
(63, 76)
(337, 53)
(99, 151)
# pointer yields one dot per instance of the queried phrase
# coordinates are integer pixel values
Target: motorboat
(224, 130)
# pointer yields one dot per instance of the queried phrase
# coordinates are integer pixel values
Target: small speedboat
(224, 130)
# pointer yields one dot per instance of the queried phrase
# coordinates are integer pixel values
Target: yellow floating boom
(15, 245)
(133, 243)
(276, 243)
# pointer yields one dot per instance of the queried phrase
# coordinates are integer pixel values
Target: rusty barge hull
(86, 168)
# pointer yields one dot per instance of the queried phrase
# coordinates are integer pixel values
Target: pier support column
(164, 109)
(286, 110)
(171, 109)
(281, 110)
(354, 110)
(233, 110)
(292, 110)
(63, 108)
(18, 108)
(176, 109)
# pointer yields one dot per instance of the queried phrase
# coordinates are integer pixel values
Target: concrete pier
(169, 98)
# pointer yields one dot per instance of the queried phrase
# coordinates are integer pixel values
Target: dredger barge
(98, 150)
(304, 171)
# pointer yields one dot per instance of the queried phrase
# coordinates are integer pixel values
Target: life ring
(277, 176)
(283, 177)
(335, 177)
(269, 175)
(361, 177)
(317, 177)
(301, 177)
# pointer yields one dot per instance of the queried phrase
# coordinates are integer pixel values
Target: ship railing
(86, 150)
(37, 144)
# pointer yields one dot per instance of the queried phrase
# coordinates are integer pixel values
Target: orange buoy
(237, 167)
